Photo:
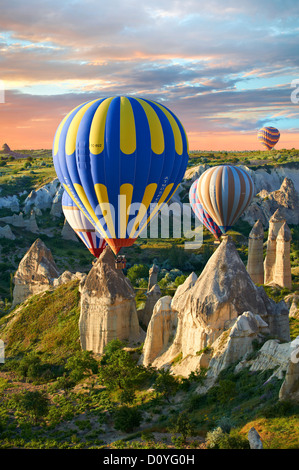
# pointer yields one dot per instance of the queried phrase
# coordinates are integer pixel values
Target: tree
(182, 425)
(136, 272)
(120, 371)
(166, 384)
(81, 364)
(36, 404)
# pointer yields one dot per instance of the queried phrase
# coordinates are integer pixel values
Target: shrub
(213, 438)
(234, 440)
(126, 418)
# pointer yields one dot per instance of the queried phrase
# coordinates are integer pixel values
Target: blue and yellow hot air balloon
(120, 159)
(268, 137)
(82, 227)
(225, 191)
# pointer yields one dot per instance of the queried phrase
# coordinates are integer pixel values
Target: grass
(47, 323)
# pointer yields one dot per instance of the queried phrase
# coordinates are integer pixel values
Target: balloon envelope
(268, 136)
(225, 192)
(120, 159)
(201, 214)
(81, 225)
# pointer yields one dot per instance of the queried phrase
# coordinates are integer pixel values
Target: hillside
(53, 395)
(80, 409)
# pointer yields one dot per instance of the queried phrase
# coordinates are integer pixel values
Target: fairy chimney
(275, 223)
(255, 263)
(282, 273)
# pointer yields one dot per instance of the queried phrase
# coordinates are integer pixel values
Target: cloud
(221, 65)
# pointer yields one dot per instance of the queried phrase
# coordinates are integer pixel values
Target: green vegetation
(53, 395)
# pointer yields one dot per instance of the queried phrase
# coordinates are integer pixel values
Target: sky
(225, 68)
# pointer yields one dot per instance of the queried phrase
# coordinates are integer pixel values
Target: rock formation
(17, 220)
(182, 290)
(145, 314)
(236, 342)
(5, 232)
(67, 276)
(42, 198)
(68, 233)
(255, 264)
(286, 199)
(275, 223)
(10, 202)
(153, 276)
(282, 273)
(254, 439)
(211, 307)
(36, 272)
(56, 209)
(290, 387)
(108, 309)
(160, 330)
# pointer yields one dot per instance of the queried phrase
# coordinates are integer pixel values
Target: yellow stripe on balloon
(175, 129)
(126, 192)
(89, 209)
(127, 127)
(103, 200)
(156, 130)
(78, 203)
(158, 206)
(71, 135)
(146, 200)
(57, 136)
(97, 128)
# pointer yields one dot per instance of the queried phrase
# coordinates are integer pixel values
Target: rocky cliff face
(108, 309)
(211, 306)
(36, 272)
(286, 199)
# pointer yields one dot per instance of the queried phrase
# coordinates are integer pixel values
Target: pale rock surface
(254, 439)
(275, 223)
(42, 198)
(255, 263)
(272, 355)
(36, 272)
(17, 220)
(283, 273)
(67, 276)
(56, 209)
(145, 314)
(236, 342)
(108, 309)
(286, 198)
(153, 276)
(182, 290)
(10, 202)
(222, 293)
(67, 233)
(290, 387)
(160, 330)
(5, 232)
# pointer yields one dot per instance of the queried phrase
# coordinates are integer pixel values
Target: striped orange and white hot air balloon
(82, 227)
(268, 137)
(225, 192)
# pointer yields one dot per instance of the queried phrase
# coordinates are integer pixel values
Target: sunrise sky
(225, 68)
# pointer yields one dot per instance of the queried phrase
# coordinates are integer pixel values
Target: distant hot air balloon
(81, 225)
(120, 159)
(225, 192)
(201, 214)
(268, 136)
